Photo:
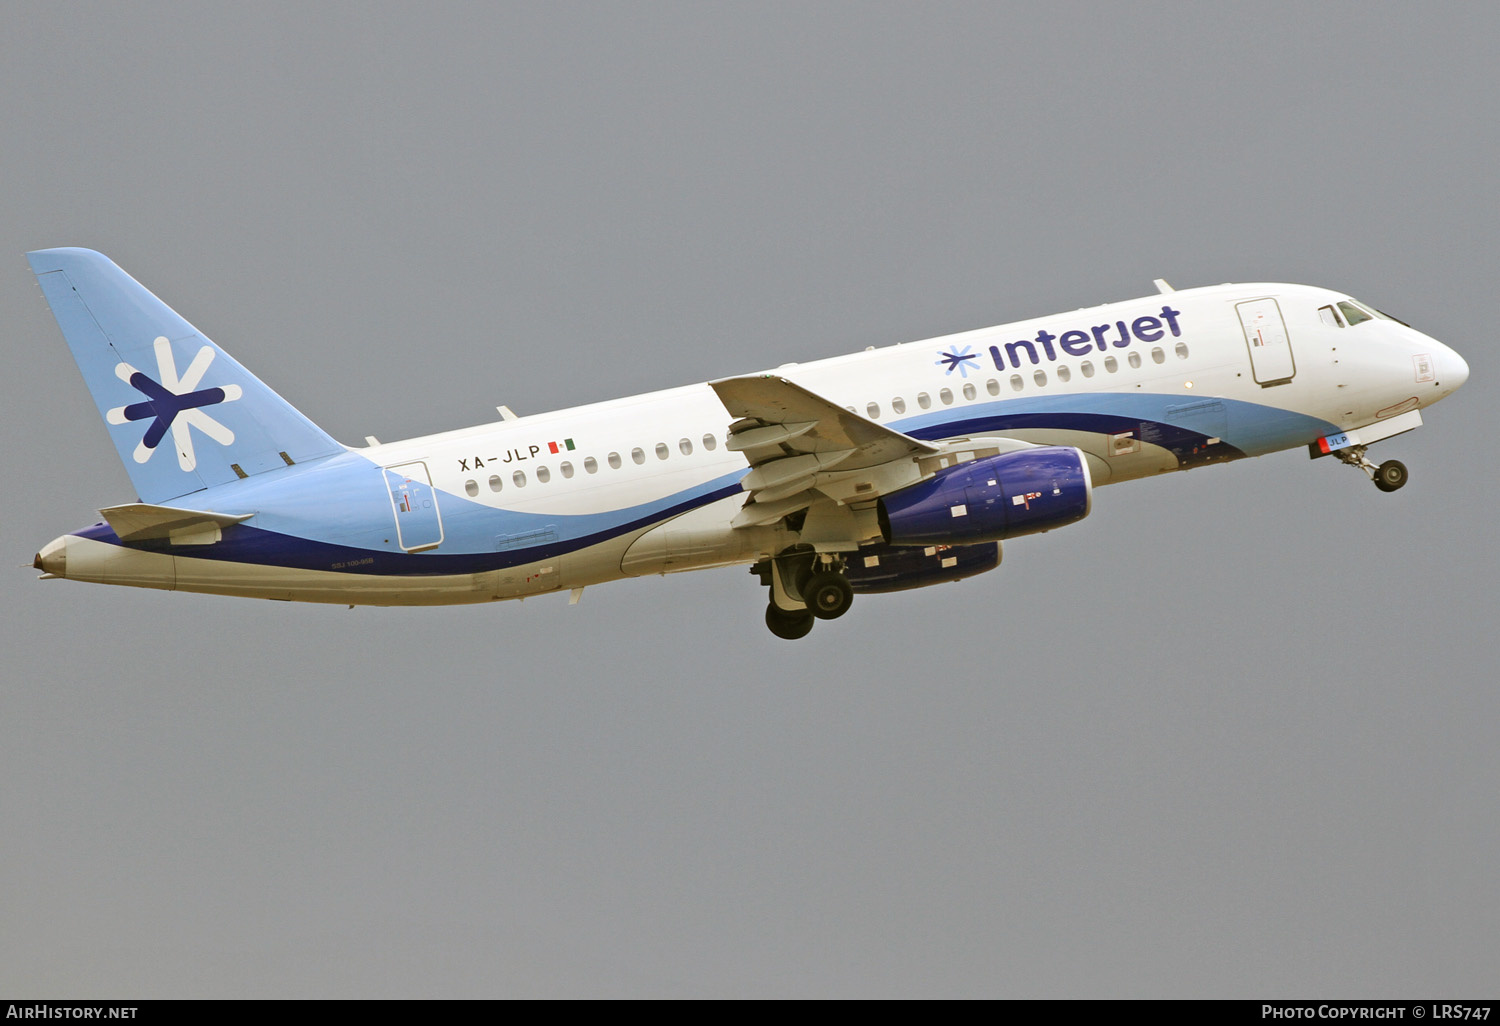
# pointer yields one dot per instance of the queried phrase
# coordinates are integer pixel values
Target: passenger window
(992, 386)
(1111, 364)
(1330, 316)
(1087, 368)
(591, 465)
(1353, 314)
(567, 469)
(1157, 356)
(898, 405)
(614, 461)
(638, 455)
(685, 446)
(946, 395)
(1181, 350)
(1135, 361)
(1040, 377)
(472, 487)
(872, 410)
(519, 477)
(709, 442)
(495, 483)
(1016, 384)
(543, 475)
(662, 452)
(1063, 373)
(969, 392)
(923, 400)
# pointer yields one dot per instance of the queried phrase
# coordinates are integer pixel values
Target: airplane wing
(790, 435)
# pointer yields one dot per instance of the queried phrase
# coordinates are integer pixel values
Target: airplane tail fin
(183, 414)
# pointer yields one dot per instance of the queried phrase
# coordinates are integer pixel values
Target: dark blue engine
(990, 499)
(881, 568)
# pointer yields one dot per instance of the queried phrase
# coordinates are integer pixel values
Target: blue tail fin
(182, 413)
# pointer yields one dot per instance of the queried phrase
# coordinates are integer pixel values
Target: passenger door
(419, 525)
(1271, 361)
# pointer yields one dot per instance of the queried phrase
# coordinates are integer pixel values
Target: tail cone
(53, 559)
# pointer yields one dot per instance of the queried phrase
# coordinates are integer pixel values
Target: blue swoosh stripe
(245, 544)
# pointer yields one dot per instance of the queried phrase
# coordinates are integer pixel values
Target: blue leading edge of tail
(182, 413)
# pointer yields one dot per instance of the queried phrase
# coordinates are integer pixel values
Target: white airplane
(889, 469)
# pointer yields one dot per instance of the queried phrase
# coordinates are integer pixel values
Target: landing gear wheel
(790, 626)
(1390, 475)
(828, 595)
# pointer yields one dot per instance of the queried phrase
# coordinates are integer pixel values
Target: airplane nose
(1455, 370)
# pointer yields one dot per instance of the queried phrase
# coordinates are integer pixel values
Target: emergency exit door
(1271, 361)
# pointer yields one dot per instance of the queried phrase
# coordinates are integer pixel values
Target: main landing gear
(805, 587)
(828, 594)
(1388, 477)
(790, 626)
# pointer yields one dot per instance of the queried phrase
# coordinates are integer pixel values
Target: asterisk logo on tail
(174, 404)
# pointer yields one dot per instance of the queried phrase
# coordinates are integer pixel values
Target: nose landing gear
(1388, 476)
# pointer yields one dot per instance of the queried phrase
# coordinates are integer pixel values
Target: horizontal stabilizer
(140, 521)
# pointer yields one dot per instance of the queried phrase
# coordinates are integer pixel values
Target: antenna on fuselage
(1161, 285)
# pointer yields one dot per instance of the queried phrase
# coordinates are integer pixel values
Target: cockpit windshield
(1347, 313)
(1352, 314)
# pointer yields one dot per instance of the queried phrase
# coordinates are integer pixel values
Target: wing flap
(770, 400)
(791, 436)
(766, 435)
(764, 512)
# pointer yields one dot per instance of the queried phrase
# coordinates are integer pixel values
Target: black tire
(790, 626)
(828, 595)
(1390, 475)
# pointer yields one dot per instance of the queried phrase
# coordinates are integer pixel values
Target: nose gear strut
(1388, 476)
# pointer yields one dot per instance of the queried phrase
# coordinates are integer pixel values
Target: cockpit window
(1353, 314)
(1356, 313)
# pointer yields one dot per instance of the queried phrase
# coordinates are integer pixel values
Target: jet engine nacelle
(990, 499)
(881, 568)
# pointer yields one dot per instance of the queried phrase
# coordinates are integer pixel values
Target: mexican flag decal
(556, 447)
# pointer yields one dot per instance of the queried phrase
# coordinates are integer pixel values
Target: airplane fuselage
(650, 484)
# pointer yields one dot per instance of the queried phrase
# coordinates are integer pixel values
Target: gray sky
(1231, 736)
